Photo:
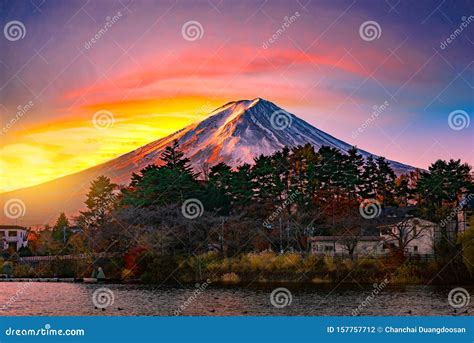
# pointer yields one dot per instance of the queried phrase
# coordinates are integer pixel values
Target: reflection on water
(63, 299)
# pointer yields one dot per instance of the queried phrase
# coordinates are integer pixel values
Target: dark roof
(342, 238)
(398, 212)
(12, 227)
(468, 202)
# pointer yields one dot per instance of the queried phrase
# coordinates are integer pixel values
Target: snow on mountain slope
(235, 133)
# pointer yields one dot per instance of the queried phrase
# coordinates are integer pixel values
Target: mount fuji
(235, 133)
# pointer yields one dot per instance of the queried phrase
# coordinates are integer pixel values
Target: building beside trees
(13, 237)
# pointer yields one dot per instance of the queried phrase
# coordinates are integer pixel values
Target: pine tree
(100, 202)
(171, 183)
(352, 172)
(59, 229)
(368, 186)
(242, 187)
(385, 182)
(174, 159)
(218, 193)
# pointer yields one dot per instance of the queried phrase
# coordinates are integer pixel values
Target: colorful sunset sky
(154, 79)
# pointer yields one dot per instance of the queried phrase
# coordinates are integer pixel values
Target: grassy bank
(264, 267)
(292, 267)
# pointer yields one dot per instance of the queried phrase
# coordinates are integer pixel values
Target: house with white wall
(342, 245)
(418, 234)
(13, 237)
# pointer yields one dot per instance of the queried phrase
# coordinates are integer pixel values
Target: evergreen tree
(368, 186)
(352, 165)
(385, 182)
(100, 202)
(242, 187)
(171, 183)
(442, 187)
(174, 159)
(218, 194)
(60, 232)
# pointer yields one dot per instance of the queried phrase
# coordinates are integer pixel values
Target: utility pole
(222, 237)
(281, 239)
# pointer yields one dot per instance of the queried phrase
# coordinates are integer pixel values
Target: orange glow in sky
(58, 148)
(146, 81)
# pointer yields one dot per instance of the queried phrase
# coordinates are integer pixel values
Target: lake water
(75, 299)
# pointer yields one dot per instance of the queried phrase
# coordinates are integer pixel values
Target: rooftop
(342, 238)
(12, 227)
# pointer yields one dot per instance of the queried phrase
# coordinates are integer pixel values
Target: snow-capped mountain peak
(234, 133)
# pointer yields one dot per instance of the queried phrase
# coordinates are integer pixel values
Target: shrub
(230, 278)
(406, 273)
(22, 270)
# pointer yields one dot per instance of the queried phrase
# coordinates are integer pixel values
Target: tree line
(275, 204)
(326, 188)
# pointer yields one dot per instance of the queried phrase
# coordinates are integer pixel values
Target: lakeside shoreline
(242, 284)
